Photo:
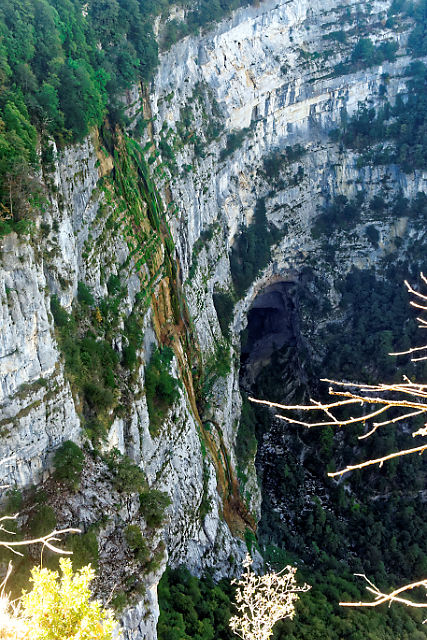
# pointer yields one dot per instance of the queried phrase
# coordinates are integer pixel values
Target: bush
(224, 306)
(114, 285)
(342, 213)
(234, 142)
(373, 234)
(97, 396)
(69, 610)
(137, 543)
(127, 476)
(68, 462)
(42, 520)
(85, 549)
(152, 505)
(162, 389)
(60, 316)
(84, 295)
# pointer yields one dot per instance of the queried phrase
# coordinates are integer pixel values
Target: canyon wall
(268, 74)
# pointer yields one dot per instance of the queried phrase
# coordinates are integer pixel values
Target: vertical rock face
(221, 103)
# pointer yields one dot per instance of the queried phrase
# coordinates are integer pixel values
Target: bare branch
(379, 461)
(381, 598)
(46, 541)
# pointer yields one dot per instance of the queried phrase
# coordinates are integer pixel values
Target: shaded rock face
(272, 324)
(260, 70)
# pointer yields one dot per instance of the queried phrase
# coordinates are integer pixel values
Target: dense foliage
(199, 609)
(372, 522)
(152, 505)
(380, 321)
(63, 67)
(90, 362)
(61, 606)
(193, 609)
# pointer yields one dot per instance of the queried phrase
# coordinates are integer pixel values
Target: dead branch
(381, 597)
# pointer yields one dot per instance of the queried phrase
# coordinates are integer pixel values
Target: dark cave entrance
(272, 329)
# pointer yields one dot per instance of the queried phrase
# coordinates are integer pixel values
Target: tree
(264, 600)
(61, 606)
(403, 402)
(57, 606)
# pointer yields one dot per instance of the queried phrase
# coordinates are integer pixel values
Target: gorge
(226, 241)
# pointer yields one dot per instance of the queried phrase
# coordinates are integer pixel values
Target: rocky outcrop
(266, 75)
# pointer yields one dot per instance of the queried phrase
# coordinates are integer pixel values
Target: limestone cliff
(266, 78)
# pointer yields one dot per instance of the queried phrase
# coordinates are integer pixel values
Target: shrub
(373, 234)
(234, 142)
(152, 505)
(42, 520)
(62, 606)
(161, 388)
(97, 396)
(251, 252)
(114, 285)
(137, 543)
(60, 316)
(119, 601)
(224, 305)
(342, 213)
(68, 461)
(84, 295)
(127, 476)
(85, 548)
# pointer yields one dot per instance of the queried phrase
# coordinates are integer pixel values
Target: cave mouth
(272, 325)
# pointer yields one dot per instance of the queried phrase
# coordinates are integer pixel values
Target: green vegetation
(234, 142)
(251, 253)
(393, 133)
(193, 609)
(417, 42)
(337, 36)
(199, 609)
(224, 307)
(70, 610)
(201, 16)
(201, 242)
(85, 548)
(372, 522)
(380, 321)
(341, 214)
(127, 476)
(277, 160)
(246, 443)
(84, 295)
(365, 53)
(42, 519)
(162, 389)
(93, 366)
(68, 462)
(217, 365)
(90, 362)
(62, 70)
(137, 543)
(373, 234)
(152, 505)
